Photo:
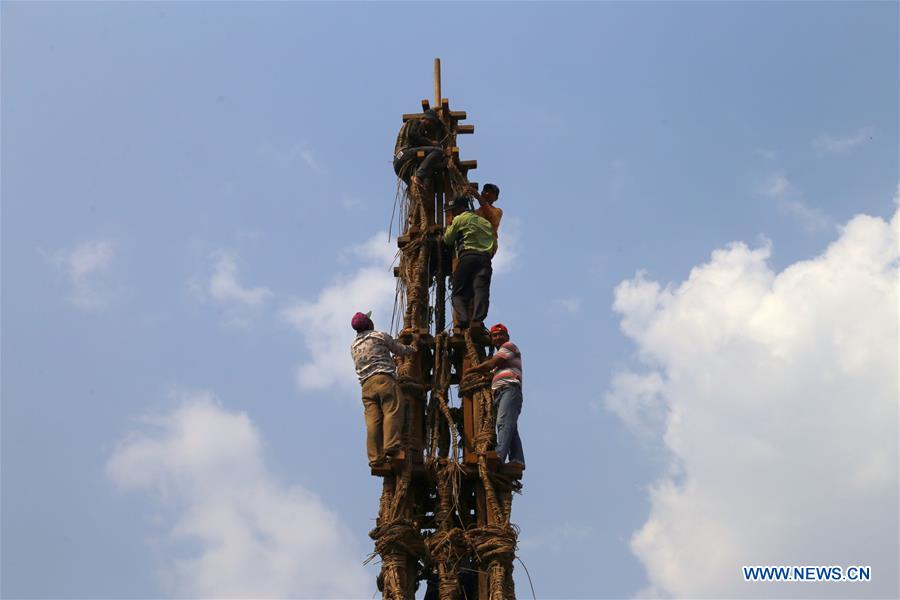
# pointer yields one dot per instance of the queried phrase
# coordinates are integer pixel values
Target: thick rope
(414, 262)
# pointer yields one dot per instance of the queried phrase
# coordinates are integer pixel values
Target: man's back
(414, 133)
(371, 351)
(473, 231)
(492, 214)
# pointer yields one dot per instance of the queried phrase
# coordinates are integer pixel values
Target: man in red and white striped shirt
(507, 387)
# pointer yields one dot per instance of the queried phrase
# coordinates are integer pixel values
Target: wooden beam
(456, 115)
(466, 165)
(463, 129)
(437, 80)
(425, 104)
(513, 470)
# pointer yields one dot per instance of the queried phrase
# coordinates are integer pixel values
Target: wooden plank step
(396, 466)
(513, 470)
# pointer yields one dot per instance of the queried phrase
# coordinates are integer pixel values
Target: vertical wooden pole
(437, 83)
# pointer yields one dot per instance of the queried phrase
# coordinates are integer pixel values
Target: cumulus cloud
(224, 286)
(81, 264)
(831, 144)
(234, 530)
(325, 322)
(777, 396)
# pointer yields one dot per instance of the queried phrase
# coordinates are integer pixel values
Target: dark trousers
(406, 162)
(471, 287)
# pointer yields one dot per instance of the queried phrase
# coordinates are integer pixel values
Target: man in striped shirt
(507, 387)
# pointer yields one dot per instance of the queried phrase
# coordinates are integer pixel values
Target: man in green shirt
(473, 238)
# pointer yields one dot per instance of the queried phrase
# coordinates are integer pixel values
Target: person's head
(458, 205)
(490, 192)
(430, 117)
(499, 335)
(362, 321)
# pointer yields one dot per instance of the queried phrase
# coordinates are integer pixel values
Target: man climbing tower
(424, 133)
(383, 402)
(473, 238)
(490, 193)
(506, 385)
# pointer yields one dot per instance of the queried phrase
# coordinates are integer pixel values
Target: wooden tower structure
(444, 512)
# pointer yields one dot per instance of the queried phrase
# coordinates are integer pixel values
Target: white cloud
(570, 306)
(508, 246)
(829, 144)
(812, 219)
(790, 202)
(777, 396)
(310, 160)
(80, 265)
(635, 397)
(225, 287)
(246, 534)
(778, 186)
(325, 322)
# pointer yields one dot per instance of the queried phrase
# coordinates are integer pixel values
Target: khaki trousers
(385, 412)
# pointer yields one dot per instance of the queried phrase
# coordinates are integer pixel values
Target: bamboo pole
(437, 83)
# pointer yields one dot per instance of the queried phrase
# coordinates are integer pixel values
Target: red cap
(500, 327)
(362, 321)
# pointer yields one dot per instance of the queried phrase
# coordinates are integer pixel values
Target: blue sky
(195, 196)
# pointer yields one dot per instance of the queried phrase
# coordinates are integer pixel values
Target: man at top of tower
(490, 193)
(424, 133)
(506, 385)
(473, 238)
(383, 401)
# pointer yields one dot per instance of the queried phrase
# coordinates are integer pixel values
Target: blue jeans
(508, 401)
